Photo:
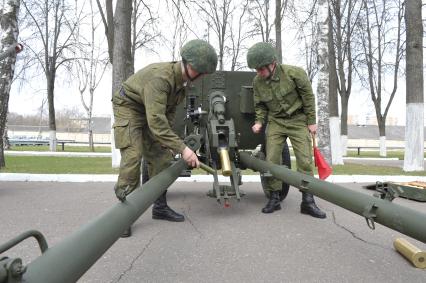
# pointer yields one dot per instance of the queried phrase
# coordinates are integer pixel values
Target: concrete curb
(81, 178)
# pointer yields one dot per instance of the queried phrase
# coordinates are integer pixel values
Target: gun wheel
(285, 161)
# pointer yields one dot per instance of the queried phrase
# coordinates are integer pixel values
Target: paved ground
(214, 244)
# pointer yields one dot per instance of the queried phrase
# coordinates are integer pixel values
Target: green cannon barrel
(397, 217)
(72, 257)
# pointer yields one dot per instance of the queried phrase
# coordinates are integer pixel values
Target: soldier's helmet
(201, 55)
(261, 54)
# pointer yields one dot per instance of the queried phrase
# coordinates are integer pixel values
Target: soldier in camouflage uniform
(283, 95)
(144, 110)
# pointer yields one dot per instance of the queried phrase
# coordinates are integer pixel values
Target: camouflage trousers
(136, 141)
(297, 131)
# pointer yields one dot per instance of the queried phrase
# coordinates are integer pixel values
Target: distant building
(77, 132)
(370, 120)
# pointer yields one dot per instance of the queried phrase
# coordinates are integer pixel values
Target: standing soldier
(144, 111)
(283, 94)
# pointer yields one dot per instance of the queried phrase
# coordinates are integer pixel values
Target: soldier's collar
(177, 70)
(277, 74)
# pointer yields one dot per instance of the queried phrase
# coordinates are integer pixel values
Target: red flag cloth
(324, 170)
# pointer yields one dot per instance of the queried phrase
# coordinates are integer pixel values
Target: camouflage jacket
(155, 91)
(289, 91)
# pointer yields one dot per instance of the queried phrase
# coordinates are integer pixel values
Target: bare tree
(108, 21)
(53, 26)
(380, 32)
(180, 11)
(123, 65)
(89, 69)
(260, 14)
(120, 42)
(306, 21)
(217, 16)
(144, 29)
(41, 110)
(345, 16)
(335, 140)
(238, 35)
(278, 40)
(280, 8)
(8, 40)
(322, 87)
(414, 129)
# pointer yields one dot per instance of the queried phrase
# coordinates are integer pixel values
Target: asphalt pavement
(214, 244)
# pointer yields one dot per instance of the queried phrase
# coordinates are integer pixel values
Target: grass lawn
(389, 154)
(58, 165)
(102, 165)
(358, 169)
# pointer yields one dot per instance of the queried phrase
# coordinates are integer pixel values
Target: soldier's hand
(121, 192)
(257, 127)
(312, 129)
(190, 157)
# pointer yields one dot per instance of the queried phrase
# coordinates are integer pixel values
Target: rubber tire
(144, 170)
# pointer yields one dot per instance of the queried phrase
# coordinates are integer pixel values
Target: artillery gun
(215, 121)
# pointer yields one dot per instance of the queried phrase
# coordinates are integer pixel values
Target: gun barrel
(217, 102)
(397, 217)
(71, 258)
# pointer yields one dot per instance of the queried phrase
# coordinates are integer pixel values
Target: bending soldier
(144, 110)
(283, 94)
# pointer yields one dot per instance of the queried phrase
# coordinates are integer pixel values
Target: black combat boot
(161, 210)
(308, 206)
(127, 233)
(273, 203)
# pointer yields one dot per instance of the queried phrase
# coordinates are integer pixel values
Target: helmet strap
(186, 72)
(271, 72)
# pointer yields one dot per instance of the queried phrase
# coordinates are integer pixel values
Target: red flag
(324, 170)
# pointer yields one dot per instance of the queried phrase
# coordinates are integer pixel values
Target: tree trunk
(323, 83)
(91, 145)
(122, 57)
(382, 134)
(50, 77)
(9, 35)
(335, 144)
(278, 31)
(6, 143)
(266, 5)
(90, 131)
(344, 101)
(414, 129)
